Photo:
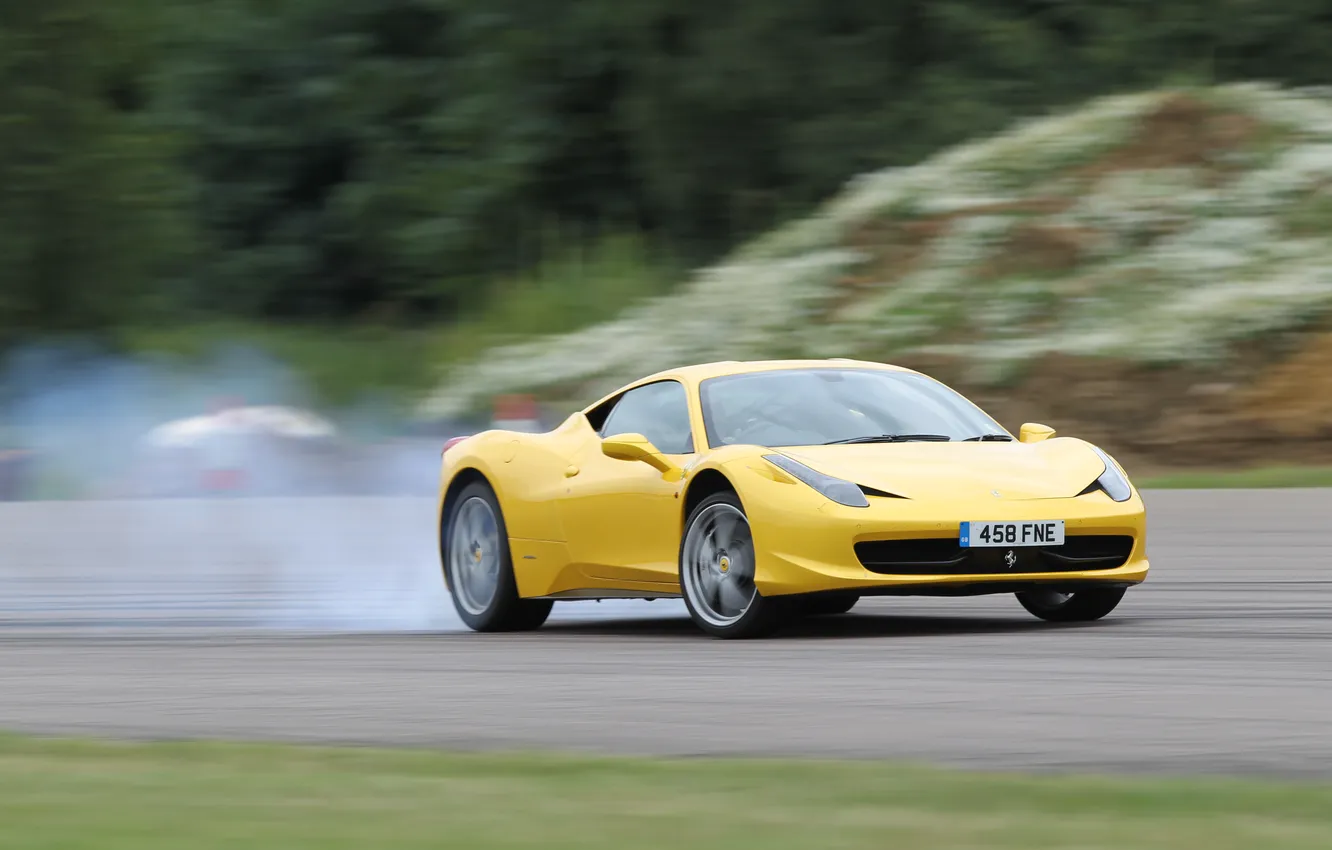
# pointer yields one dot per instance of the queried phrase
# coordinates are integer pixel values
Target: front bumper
(812, 551)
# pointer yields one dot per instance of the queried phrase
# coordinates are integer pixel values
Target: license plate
(1042, 533)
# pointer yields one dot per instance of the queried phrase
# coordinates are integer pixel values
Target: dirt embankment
(1271, 404)
(1268, 401)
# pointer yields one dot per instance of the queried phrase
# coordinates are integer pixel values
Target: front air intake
(944, 556)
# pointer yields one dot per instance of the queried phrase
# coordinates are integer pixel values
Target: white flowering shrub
(1033, 242)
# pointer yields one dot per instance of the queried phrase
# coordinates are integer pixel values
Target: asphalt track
(1220, 663)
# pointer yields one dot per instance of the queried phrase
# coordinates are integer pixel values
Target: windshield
(805, 407)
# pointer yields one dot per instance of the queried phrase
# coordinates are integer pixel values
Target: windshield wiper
(989, 438)
(893, 438)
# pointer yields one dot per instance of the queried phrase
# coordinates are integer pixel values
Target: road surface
(1221, 662)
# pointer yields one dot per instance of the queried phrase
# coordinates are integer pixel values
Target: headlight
(840, 491)
(1112, 481)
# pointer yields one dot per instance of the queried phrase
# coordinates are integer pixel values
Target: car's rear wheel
(829, 604)
(717, 571)
(479, 567)
(1080, 607)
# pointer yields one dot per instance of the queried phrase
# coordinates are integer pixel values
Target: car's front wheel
(717, 571)
(479, 567)
(1080, 607)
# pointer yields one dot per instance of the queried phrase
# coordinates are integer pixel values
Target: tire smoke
(229, 528)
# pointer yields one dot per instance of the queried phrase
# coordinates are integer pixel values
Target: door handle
(571, 472)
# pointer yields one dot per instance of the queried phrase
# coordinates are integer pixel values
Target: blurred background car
(241, 450)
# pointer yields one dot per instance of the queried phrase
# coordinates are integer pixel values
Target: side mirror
(1034, 432)
(640, 448)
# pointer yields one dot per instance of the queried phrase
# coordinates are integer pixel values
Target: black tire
(829, 604)
(763, 616)
(505, 611)
(1080, 607)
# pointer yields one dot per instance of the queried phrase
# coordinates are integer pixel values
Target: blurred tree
(364, 154)
(89, 203)
(351, 154)
(330, 158)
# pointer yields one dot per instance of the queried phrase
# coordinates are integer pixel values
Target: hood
(1052, 469)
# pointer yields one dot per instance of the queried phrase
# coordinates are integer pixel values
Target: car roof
(702, 371)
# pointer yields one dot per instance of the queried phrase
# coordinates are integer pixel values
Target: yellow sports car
(762, 491)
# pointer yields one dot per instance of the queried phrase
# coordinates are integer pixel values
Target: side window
(658, 411)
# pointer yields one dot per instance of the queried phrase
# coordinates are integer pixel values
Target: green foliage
(89, 205)
(1267, 477)
(575, 286)
(390, 160)
(350, 155)
(572, 287)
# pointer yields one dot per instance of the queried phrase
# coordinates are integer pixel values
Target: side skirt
(609, 593)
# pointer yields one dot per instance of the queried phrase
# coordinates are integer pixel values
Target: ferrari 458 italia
(764, 491)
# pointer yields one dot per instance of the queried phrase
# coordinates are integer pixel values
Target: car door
(622, 517)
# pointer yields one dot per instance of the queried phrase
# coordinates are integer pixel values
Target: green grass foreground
(142, 796)
(1263, 478)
